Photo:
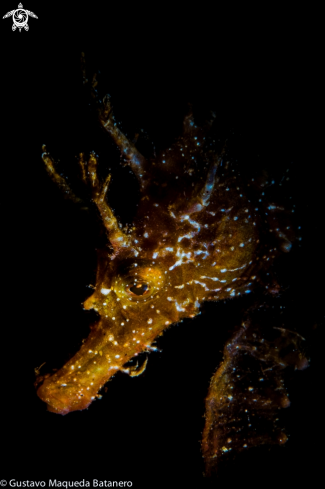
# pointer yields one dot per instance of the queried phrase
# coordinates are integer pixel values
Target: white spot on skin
(211, 278)
(180, 254)
(155, 255)
(199, 252)
(194, 223)
(179, 308)
(200, 283)
(189, 235)
(117, 356)
(146, 235)
(149, 321)
(179, 286)
(105, 291)
(238, 268)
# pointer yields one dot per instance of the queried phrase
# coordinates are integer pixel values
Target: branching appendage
(57, 179)
(89, 176)
(83, 168)
(135, 160)
(117, 238)
(209, 186)
(211, 182)
(212, 179)
(202, 199)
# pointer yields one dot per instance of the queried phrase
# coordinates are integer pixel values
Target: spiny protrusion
(136, 370)
(116, 236)
(89, 175)
(134, 158)
(50, 166)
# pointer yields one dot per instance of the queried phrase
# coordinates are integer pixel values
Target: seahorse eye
(139, 289)
(139, 283)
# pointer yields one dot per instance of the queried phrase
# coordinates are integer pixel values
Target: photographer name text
(66, 484)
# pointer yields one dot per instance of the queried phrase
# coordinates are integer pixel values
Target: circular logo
(20, 18)
(3, 483)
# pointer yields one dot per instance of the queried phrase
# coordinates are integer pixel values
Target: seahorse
(200, 234)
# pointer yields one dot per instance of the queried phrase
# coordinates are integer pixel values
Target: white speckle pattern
(105, 291)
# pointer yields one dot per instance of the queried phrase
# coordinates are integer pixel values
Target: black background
(260, 75)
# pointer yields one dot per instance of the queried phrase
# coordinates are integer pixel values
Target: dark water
(146, 429)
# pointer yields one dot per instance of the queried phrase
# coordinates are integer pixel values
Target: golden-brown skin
(252, 371)
(196, 237)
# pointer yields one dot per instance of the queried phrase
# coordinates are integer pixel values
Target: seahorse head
(195, 237)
